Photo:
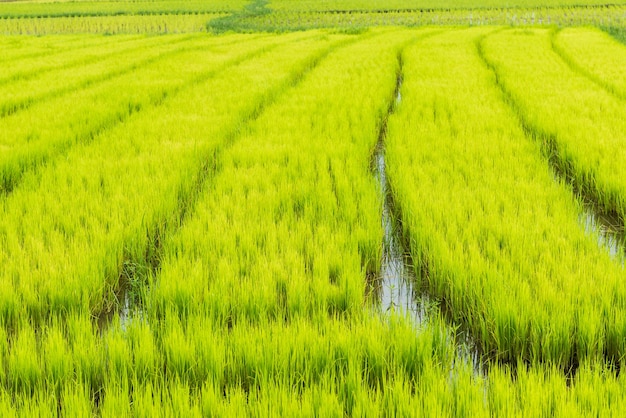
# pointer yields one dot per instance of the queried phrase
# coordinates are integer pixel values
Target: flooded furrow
(397, 288)
(134, 276)
(395, 285)
(396, 282)
(607, 228)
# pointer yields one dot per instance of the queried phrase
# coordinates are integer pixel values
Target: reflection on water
(397, 278)
(395, 287)
(609, 231)
(125, 309)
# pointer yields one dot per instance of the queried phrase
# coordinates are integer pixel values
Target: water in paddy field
(123, 310)
(609, 231)
(397, 277)
(396, 286)
(396, 281)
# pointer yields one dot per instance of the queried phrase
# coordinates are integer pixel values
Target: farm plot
(35, 131)
(579, 118)
(497, 236)
(204, 242)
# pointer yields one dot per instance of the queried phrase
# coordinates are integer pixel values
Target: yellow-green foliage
(65, 112)
(582, 123)
(101, 206)
(191, 233)
(56, 8)
(106, 24)
(291, 226)
(306, 16)
(351, 5)
(595, 54)
(498, 235)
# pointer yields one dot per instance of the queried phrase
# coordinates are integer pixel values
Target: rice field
(356, 221)
(34, 17)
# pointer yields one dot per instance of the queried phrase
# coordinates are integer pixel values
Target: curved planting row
(497, 235)
(48, 123)
(580, 122)
(88, 219)
(209, 251)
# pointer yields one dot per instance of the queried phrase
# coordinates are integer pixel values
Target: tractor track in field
(131, 280)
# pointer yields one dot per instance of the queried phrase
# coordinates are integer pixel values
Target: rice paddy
(312, 209)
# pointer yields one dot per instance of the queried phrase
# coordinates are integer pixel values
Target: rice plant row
(497, 235)
(36, 131)
(588, 144)
(42, 243)
(208, 253)
(260, 16)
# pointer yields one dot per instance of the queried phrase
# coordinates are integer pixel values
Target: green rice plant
(595, 55)
(22, 68)
(76, 400)
(192, 22)
(24, 367)
(616, 31)
(87, 354)
(21, 9)
(146, 362)
(301, 18)
(20, 49)
(243, 215)
(25, 91)
(499, 239)
(117, 401)
(119, 358)
(6, 407)
(58, 364)
(276, 216)
(305, 369)
(116, 216)
(391, 5)
(31, 138)
(580, 122)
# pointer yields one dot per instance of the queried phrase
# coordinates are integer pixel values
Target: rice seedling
(16, 48)
(23, 92)
(498, 237)
(579, 121)
(33, 137)
(21, 9)
(94, 175)
(594, 54)
(269, 228)
(193, 231)
(110, 24)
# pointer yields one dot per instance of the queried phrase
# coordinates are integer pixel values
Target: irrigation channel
(397, 287)
(608, 230)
